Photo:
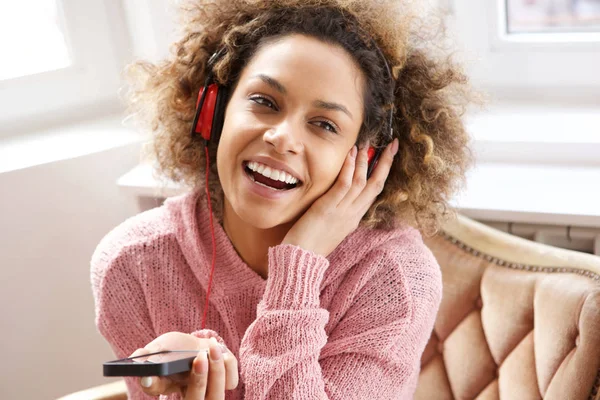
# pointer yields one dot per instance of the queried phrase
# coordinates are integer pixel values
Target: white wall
(51, 218)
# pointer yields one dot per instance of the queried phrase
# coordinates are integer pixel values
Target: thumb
(198, 382)
(139, 352)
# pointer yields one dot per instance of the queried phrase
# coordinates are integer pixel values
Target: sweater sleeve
(373, 352)
(121, 312)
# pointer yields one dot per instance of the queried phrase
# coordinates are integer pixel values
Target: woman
(320, 285)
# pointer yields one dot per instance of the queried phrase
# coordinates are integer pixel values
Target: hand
(338, 212)
(208, 379)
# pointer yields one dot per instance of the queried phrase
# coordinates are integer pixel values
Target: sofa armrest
(110, 391)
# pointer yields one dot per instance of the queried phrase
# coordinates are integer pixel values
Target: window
(523, 49)
(541, 73)
(60, 58)
(33, 38)
(553, 16)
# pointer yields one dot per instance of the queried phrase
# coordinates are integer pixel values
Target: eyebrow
(275, 84)
(332, 106)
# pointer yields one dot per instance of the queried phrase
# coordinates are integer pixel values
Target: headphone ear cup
(372, 159)
(370, 154)
(207, 111)
(219, 114)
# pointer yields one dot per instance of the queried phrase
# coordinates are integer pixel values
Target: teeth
(275, 174)
(267, 172)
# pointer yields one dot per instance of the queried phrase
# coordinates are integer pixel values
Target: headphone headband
(214, 58)
(392, 84)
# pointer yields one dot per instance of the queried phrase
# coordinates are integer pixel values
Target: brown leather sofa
(519, 320)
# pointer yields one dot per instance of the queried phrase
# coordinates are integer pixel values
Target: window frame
(501, 39)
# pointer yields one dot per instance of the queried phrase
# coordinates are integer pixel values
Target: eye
(328, 126)
(263, 101)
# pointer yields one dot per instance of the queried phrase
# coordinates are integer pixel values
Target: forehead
(311, 66)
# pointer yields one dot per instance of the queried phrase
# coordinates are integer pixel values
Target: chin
(260, 218)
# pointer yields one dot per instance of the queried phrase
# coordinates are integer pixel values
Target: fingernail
(224, 348)
(215, 350)
(395, 146)
(134, 354)
(201, 363)
(353, 152)
(146, 381)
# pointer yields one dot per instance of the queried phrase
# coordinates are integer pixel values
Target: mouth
(271, 178)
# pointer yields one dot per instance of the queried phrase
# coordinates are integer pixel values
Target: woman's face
(289, 125)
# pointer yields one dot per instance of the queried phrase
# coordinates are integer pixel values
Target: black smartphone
(162, 363)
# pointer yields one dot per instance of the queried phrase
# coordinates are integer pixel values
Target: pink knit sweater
(349, 326)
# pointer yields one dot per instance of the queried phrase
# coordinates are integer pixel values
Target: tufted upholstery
(518, 320)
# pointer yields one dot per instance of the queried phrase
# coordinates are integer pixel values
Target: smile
(272, 178)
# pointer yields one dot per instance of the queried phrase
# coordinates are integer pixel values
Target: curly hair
(429, 93)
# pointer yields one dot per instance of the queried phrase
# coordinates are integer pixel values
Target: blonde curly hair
(430, 93)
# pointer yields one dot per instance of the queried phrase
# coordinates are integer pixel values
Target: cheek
(227, 152)
(240, 128)
(234, 137)
(326, 168)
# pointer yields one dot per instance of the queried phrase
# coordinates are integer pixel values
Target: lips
(274, 164)
(264, 192)
(259, 178)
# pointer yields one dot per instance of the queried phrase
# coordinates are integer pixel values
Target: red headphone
(210, 114)
(210, 111)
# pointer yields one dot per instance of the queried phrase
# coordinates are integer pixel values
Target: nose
(285, 137)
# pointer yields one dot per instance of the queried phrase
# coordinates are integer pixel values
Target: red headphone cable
(212, 232)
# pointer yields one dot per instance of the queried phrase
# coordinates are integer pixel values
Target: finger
(196, 389)
(139, 352)
(231, 370)
(362, 160)
(359, 178)
(231, 367)
(377, 181)
(343, 182)
(180, 379)
(203, 334)
(216, 372)
(150, 384)
(157, 385)
(156, 345)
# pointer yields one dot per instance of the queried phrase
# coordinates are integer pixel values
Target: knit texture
(352, 325)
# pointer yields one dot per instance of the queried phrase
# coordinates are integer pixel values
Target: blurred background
(70, 168)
